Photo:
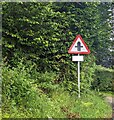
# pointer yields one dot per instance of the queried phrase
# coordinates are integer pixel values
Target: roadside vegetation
(39, 80)
(37, 95)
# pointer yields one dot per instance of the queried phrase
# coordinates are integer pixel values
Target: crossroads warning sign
(78, 46)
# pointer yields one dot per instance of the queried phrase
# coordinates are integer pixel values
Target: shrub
(103, 79)
(17, 87)
(46, 81)
(23, 94)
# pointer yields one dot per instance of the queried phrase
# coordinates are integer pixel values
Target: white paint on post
(78, 78)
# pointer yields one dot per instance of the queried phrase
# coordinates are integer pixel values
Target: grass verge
(63, 105)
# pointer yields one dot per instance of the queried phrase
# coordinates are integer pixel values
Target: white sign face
(77, 58)
(78, 46)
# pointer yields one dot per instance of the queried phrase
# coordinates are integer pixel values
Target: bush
(103, 79)
(87, 73)
(23, 94)
(17, 87)
(46, 82)
(69, 75)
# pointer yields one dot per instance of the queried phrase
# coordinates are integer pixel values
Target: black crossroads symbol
(79, 46)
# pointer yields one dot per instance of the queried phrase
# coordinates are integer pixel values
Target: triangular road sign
(79, 46)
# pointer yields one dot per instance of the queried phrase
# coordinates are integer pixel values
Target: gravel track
(110, 100)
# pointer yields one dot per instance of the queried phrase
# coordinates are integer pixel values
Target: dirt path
(110, 100)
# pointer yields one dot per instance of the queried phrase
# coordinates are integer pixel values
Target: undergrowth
(28, 95)
(62, 105)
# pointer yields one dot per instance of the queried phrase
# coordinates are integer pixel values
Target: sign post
(78, 78)
(78, 47)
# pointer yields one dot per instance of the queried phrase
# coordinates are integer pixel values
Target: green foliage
(46, 82)
(63, 105)
(30, 94)
(103, 79)
(17, 86)
(43, 32)
(87, 73)
(92, 106)
(24, 94)
(0, 113)
(36, 38)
